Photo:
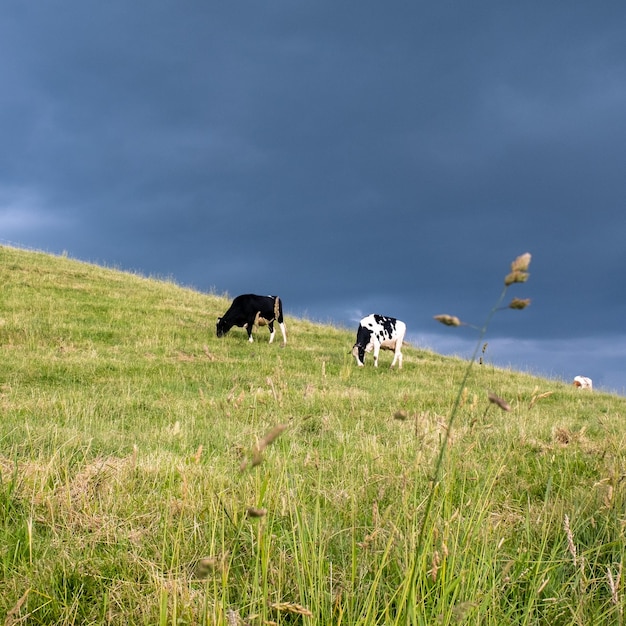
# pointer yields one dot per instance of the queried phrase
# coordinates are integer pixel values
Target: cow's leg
(270, 325)
(397, 355)
(283, 331)
(249, 327)
(376, 351)
(398, 349)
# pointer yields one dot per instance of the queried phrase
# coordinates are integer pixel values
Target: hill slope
(140, 486)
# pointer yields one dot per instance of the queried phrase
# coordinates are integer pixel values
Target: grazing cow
(247, 310)
(376, 332)
(582, 382)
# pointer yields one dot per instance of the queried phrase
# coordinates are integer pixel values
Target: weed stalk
(518, 274)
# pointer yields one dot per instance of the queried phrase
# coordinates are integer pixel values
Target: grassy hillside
(153, 474)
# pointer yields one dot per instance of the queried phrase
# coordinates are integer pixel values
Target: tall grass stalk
(509, 280)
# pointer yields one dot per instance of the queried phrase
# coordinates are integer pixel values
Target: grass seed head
(519, 270)
(571, 546)
(434, 570)
(290, 607)
(543, 584)
(205, 566)
(271, 436)
(515, 277)
(614, 583)
(519, 303)
(257, 450)
(540, 396)
(448, 320)
(503, 404)
(521, 263)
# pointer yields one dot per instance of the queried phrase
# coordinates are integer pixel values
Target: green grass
(127, 470)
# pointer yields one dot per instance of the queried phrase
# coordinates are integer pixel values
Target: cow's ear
(219, 319)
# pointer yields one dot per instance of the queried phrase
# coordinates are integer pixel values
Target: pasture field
(153, 474)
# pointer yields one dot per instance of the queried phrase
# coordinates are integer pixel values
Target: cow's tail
(278, 310)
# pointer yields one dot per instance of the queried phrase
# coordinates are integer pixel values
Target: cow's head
(221, 327)
(358, 352)
(583, 382)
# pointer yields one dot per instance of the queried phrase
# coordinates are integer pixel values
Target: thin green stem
(442, 451)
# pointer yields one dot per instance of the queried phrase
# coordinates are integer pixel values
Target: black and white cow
(376, 332)
(249, 309)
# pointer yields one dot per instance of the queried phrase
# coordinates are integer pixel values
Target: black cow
(376, 332)
(249, 310)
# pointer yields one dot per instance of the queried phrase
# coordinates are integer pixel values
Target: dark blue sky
(351, 157)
